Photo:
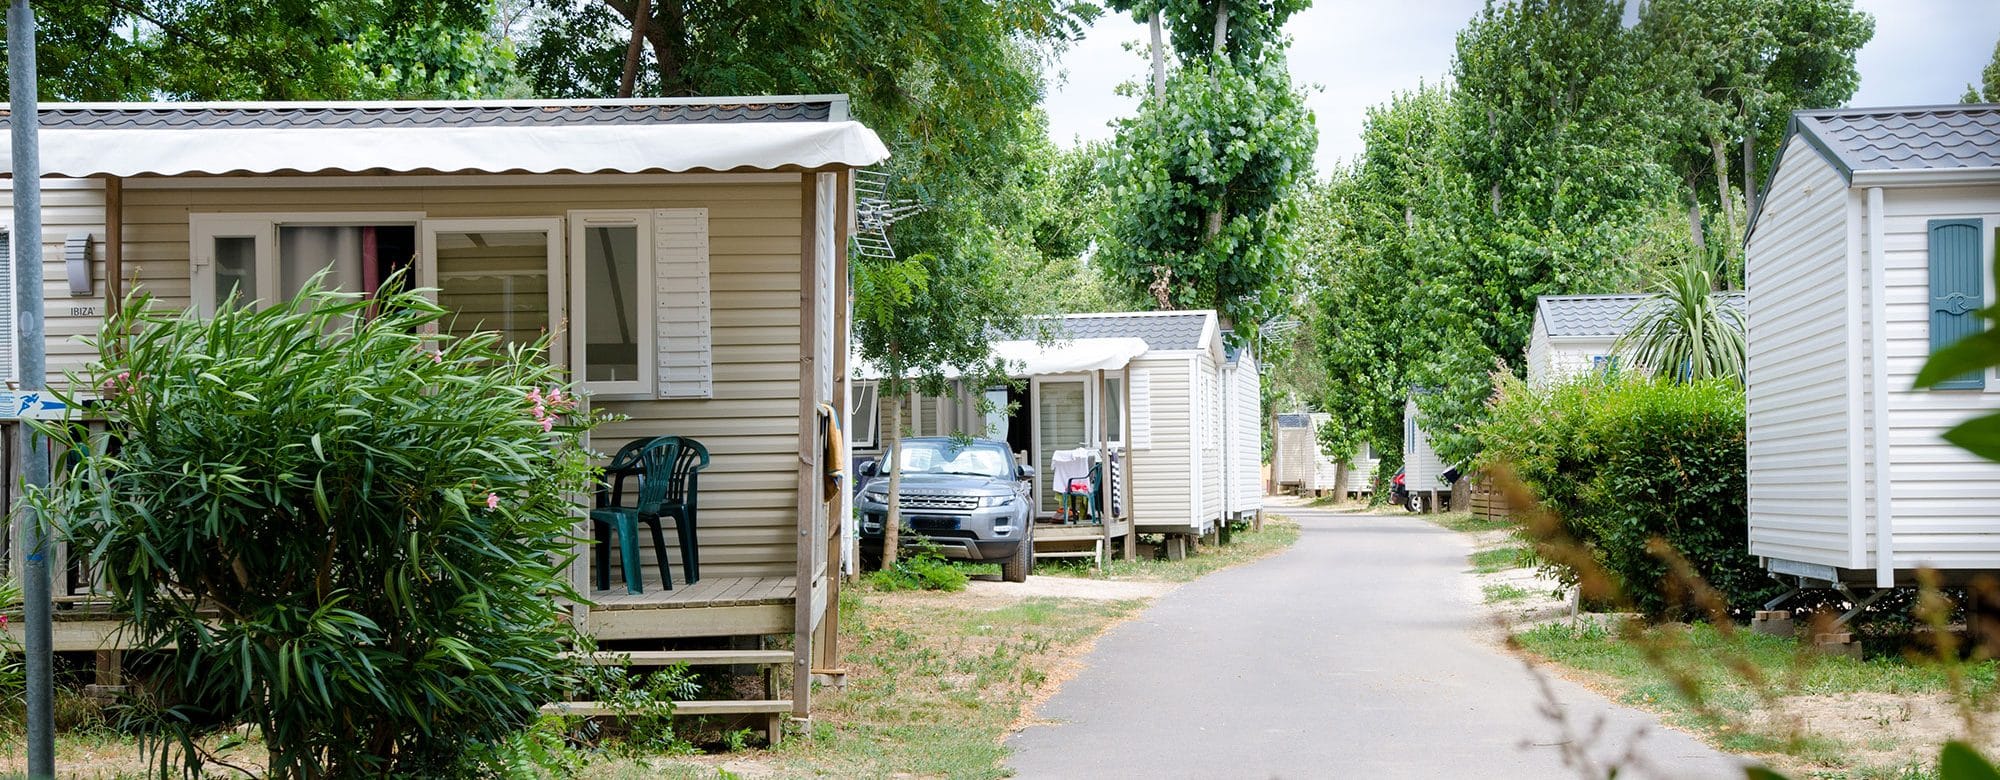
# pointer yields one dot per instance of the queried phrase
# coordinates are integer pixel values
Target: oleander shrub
(1622, 461)
(352, 530)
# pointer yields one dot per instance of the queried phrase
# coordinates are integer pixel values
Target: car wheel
(1413, 502)
(1017, 566)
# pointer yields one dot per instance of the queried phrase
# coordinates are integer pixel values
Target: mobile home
(1574, 335)
(1193, 442)
(1872, 249)
(1423, 471)
(689, 253)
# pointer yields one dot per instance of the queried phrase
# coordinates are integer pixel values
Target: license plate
(934, 523)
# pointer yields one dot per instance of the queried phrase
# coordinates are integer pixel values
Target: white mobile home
(1872, 248)
(1242, 433)
(1423, 471)
(689, 255)
(1575, 335)
(1305, 468)
(1180, 438)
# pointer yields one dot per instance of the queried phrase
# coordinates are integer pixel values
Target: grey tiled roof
(1161, 331)
(140, 116)
(1902, 139)
(1296, 420)
(1600, 315)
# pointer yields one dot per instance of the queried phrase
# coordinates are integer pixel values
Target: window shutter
(1142, 409)
(680, 257)
(1957, 290)
(7, 351)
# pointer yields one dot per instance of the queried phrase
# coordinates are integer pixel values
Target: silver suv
(968, 497)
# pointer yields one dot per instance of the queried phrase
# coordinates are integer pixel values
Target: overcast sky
(1352, 54)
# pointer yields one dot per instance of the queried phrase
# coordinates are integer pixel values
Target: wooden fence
(1487, 501)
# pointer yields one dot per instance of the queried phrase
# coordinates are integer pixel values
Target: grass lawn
(1245, 546)
(1809, 714)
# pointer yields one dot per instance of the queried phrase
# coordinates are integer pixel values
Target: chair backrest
(624, 463)
(671, 463)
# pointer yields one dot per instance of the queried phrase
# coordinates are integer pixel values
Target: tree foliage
(1571, 154)
(1204, 180)
(352, 534)
(112, 50)
(1988, 88)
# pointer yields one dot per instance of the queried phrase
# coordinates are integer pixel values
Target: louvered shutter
(1958, 290)
(680, 276)
(1142, 409)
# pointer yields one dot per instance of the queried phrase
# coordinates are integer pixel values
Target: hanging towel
(834, 460)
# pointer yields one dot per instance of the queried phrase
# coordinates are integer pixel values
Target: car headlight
(1000, 500)
(875, 497)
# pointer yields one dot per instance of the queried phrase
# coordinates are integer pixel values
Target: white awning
(1027, 358)
(668, 147)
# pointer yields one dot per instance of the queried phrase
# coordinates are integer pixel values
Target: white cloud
(1358, 53)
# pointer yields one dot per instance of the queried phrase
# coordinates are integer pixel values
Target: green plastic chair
(668, 467)
(611, 495)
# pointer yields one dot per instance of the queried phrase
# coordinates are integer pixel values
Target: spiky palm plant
(1686, 331)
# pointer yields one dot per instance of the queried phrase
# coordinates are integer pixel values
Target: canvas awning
(1028, 358)
(532, 148)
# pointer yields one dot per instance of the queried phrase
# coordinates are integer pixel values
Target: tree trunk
(632, 49)
(1221, 28)
(1749, 170)
(1159, 58)
(1722, 188)
(1340, 481)
(892, 525)
(1694, 222)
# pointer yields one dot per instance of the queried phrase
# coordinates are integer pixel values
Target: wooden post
(1125, 471)
(1105, 518)
(114, 244)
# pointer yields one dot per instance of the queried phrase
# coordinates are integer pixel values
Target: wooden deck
(1084, 540)
(715, 606)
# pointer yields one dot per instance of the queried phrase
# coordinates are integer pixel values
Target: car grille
(939, 502)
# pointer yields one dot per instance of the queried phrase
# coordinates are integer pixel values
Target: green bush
(353, 530)
(924, 569)
(1624, 460)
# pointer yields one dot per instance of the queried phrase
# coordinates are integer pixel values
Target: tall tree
(1989, 79)
(107, 50)
(1205, 178)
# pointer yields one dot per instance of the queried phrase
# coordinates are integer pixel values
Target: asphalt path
(1361, 652)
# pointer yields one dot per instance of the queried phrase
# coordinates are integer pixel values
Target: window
(1114, 409)
(261, 258)
(866, 416)
(614, 301)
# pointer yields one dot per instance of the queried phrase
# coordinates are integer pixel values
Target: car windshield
(944, 456)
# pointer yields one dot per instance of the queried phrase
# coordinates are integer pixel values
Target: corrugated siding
(1213, 464)
(70, 206)
(750, 426)
(1797, 373)
(1296, 450)
(1246, 437)
(1538, 355)
(1420, 463)
(1945, 502)
(1160, 482)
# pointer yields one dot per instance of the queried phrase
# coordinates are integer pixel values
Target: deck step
(689, 657)
(601, 709)
(1075, 554)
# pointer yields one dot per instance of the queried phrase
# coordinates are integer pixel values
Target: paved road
(1359, 653)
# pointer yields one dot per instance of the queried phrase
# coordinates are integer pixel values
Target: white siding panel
(1945, 507)
(1797, 369)
(1161, 474)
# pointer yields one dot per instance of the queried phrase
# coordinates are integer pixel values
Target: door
(503, 275)
(227, 254)
(1062, 422)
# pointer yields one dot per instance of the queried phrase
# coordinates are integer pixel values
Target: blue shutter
(1958, 290)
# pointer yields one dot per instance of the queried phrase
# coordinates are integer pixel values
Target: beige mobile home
(1168, 402)
(689, 253)
(1873, 248)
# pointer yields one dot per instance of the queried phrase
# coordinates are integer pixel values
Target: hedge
(1622, 460)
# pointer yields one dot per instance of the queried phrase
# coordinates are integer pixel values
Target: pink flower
(555, 396)
(535, 396)
(492, 501)
(437, 357)
(548, 424)
(540, 412)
